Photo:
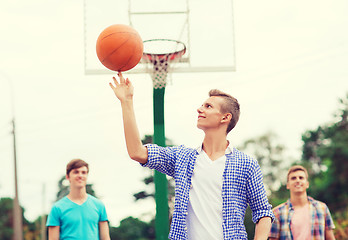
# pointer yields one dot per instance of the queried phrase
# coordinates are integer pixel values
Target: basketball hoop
(157, 55)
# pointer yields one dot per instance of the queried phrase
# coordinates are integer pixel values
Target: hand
(123, 89)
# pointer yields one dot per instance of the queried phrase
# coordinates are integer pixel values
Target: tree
(6, 218)
(36, 227)
(325, 153)
(133, 229)
(270, 156)
(6, 221)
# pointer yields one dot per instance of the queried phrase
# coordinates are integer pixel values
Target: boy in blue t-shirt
(78, 215)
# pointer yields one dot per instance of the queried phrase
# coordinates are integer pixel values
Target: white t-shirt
(204, 219)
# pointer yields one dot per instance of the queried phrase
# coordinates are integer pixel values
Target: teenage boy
(78, 215)
(213, 183)
(301, 217)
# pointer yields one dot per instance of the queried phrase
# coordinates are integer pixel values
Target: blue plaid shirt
(242, 185)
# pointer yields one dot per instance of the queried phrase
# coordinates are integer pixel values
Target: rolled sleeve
(161, 159)
(257, 195)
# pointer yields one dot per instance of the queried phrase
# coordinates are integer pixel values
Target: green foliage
(36, 228)
(6, 221)
(63, 188)
(325, 153)
(341, 223)
(6, 218)
(133, 229)
(279, 196)
(149, 139)
(249, 224)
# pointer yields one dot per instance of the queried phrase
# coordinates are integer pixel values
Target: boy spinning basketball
(214, 183)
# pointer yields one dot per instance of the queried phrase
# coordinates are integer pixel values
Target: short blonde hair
(230, 105)
(296, 168)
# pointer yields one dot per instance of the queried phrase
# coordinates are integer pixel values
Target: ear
(66, 176)
(307, 185)
(227, 117)
(287, 185)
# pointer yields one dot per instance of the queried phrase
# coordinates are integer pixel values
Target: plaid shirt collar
(310, 200)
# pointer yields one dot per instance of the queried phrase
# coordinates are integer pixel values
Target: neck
(299, 199)
(77, 194)
(215, 145)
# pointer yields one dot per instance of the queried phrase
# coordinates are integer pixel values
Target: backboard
(204, 26)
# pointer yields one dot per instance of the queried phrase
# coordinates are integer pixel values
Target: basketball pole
(161, 184)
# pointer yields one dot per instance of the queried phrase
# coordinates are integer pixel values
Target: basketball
(119, 47)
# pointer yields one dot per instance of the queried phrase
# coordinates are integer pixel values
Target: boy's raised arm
(123, 90)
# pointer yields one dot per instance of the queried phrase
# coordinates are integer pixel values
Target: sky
(291, 69)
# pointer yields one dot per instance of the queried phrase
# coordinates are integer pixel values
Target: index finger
(115, 81)
(122, 80)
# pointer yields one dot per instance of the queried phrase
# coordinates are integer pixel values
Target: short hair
(74, 164)
(230, 105)
(296, 168)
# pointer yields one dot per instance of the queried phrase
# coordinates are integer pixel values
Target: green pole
(161, 185)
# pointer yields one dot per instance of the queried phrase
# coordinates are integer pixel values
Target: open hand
(123, 88)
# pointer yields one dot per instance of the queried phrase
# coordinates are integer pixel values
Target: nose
(199, 110)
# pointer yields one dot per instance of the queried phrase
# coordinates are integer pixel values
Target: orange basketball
(119, 47)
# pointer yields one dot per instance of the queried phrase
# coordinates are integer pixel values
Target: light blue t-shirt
(78, 221)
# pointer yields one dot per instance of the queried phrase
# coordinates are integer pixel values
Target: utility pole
(17, 211)
(43, 217)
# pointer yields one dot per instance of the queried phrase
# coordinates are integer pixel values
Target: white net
(160, 56)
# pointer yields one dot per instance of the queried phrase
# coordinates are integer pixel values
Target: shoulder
(61, 202)
(95, 201)
(317, 203)
(60, 206)
(244, 160)
(281, 208)
(243, 156)
(185, 150)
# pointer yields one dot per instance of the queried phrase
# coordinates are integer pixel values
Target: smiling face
(78, 177)
(297, 182)
(209, 114)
